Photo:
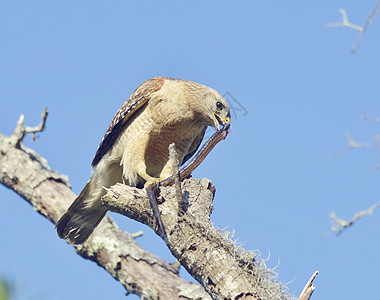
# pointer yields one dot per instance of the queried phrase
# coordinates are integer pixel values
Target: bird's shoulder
(136, 101)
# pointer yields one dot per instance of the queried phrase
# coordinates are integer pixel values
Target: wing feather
(137, 99)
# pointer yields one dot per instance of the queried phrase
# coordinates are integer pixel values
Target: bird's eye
(219, 105)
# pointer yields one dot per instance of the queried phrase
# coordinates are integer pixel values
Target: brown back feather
(138, 98)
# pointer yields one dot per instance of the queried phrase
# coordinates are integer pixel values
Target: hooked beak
(220, 122)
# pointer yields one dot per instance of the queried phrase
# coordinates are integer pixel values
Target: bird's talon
(155, 181)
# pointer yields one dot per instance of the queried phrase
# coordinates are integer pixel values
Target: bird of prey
(134, 149)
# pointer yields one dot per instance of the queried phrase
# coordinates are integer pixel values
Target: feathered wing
(86, 212)
(137, 99)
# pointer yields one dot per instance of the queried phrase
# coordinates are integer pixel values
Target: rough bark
(139, 271)
(309, 288)
(225, 270)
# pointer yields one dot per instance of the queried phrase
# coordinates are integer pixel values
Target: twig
(345, 23)
(354, 144)
(177, 181)
(340, 224)
(137, 234)
(49, 193)
(375, 144)
(369, 118)
(20, 131)
(370, 19)
(309, 288)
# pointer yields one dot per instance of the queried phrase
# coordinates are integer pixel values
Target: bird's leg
(149, 179)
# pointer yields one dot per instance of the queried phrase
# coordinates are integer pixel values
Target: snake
(218, 136)
(152, 189)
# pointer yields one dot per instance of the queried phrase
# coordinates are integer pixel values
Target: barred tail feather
(82, 217)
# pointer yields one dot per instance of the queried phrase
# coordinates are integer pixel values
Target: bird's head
(218, 111)
(208, 104)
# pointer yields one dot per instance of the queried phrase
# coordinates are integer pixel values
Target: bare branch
(372, 15)
(40, 127)
(354, 144)
(345, 23)
(177, 183)
(20, 131)
(137, 234)
(369, 118)
(207, 253)
(28, 174)
(204, 251)
(340, 224)
(309, 288)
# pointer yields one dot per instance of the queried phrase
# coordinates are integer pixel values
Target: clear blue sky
(276, 176)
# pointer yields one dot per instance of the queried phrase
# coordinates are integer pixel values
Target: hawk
(134, 149)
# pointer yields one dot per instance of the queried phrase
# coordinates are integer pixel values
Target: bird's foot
(153, 180)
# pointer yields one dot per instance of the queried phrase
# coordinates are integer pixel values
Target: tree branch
(340, 225)
(223, 269)
(177, 181)
(28, 174)
(309, 288)
(20, 131)
(362, 29)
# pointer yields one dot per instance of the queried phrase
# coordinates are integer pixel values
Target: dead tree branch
(362, 29)
(369, 118)
(340, 224)
(309, 288)
(20, 131)
(28, 174)
(177, 181)
(225, 270)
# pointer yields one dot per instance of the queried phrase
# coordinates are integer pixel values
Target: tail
(82, 217)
